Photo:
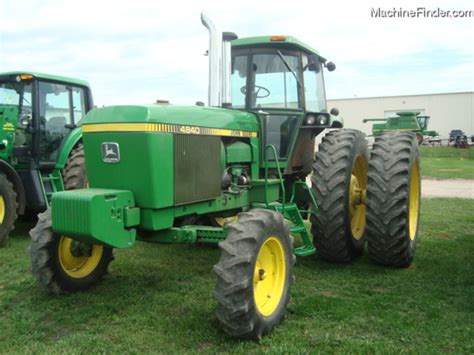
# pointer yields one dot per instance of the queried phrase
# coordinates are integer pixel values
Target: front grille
(197, 174)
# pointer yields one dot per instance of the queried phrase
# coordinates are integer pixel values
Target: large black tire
(46, 265)
(393, 199)
(74, 173)
(339, 154)
(242, 278)
(8, 208)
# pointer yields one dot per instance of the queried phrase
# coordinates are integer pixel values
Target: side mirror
(334, 111)
(330, 66)
(313, 63)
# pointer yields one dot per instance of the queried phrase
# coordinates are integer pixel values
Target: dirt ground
(461, 188)
(430, 187)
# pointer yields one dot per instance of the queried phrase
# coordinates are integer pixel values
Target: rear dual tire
(386, 212)
(393, 199)
(339, 182)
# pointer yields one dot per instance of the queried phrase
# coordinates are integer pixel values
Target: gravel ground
(431, 187)
(461, 188)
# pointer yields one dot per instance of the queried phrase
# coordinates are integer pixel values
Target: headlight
(323, 120)
(310, 120)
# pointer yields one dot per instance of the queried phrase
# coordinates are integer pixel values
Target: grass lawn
(159, 299)
(447, 162)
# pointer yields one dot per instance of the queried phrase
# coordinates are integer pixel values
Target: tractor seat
(56, 124)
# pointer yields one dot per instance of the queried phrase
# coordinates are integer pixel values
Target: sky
(139, 51)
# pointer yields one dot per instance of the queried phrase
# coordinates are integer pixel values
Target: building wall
(447, 111)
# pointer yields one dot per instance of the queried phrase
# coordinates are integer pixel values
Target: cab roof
(274, 41)
(47, 77)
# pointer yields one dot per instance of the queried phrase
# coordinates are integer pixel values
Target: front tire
(8, 208)
(393, 199)
(339, 183)
(254, 274)
(62, 265)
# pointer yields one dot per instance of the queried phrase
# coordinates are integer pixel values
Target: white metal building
(448, 111)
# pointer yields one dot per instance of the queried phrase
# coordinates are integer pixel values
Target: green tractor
(403, 122)
(233, 174)
(40, 144)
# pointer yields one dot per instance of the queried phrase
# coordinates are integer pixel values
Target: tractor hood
(181, 116)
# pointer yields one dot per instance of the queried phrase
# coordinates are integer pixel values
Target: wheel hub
(79, 249)
(357, 197)
(78, 260)
(269, 276)
(2, 209)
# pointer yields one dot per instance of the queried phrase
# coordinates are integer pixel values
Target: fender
(13, 176)
(336, 121)
(68, 146)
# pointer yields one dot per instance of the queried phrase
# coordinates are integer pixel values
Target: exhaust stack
(220, 62)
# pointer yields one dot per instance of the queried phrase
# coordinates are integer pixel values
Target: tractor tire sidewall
(388, 200)
(45, 264)
(69, 283)
(414, 158)
(237, 310)
(360, 149)
(267, 323)
(7, 192)
(331, 161)
(74, 172)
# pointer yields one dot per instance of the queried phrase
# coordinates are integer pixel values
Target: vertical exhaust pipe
(220, 64)
(227, 68)
(215, 61)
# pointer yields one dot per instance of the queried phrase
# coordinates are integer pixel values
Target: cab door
(61, 106)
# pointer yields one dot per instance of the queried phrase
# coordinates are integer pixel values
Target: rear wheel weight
(254, 274)
(339, 183)
(8, 208)
(393, 199)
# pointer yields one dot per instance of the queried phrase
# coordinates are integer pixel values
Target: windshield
(275, 81)
(315, 98)
(15, 94)
(15, 99)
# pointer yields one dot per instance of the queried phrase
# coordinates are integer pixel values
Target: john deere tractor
(40, 146)
(403, 122)
(233, 174)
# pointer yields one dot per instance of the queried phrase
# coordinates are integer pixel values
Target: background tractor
(39, 141)
(403, 122)
(234, 174)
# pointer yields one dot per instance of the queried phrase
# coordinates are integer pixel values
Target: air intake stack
(220, 62)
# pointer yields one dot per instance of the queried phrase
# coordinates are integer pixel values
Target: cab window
(275, 85)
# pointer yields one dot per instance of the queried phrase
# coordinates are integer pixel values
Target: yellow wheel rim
(222, 221)
(78, 265)
(357, 195)
(269, 276)
(2, 209)
(414, 204)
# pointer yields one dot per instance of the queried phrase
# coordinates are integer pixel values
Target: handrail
(309, 191)
(282, 185)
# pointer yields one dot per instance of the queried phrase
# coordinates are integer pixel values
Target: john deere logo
(110, 152)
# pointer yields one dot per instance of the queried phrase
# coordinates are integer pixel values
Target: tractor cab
(423, 121)
(281, 80)
(37, 114)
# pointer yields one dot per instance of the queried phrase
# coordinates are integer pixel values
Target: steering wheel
(266, 93)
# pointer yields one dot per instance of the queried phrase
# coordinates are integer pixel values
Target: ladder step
(304, 250)
(297, 229)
